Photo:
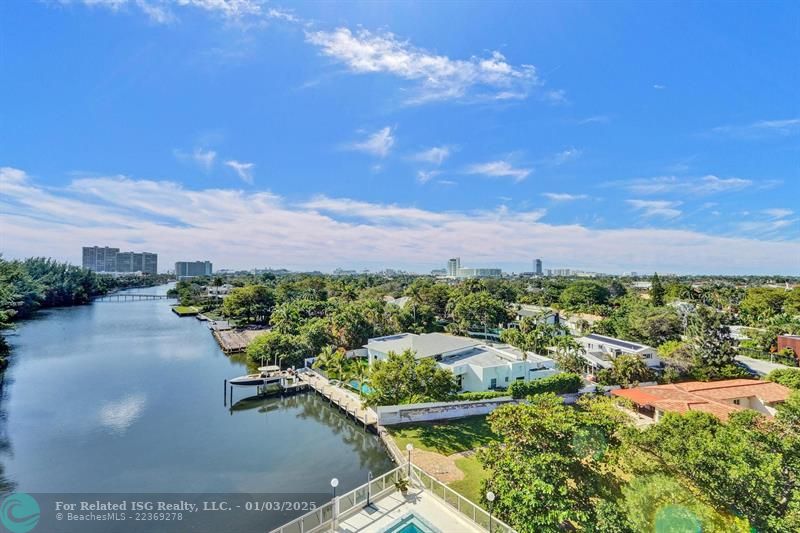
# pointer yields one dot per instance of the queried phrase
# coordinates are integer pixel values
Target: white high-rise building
(453, 266)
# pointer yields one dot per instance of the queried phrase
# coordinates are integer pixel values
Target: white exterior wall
(422, 412)
(478, 379)
(649, 356)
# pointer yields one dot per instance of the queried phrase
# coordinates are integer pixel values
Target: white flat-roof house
(477, 366)
(600, 351)
(542, 314)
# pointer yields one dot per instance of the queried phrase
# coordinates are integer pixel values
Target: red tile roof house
(790, 341)
(719, 398)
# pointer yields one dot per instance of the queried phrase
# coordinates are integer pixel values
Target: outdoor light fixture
(490, 499)
(409, 447)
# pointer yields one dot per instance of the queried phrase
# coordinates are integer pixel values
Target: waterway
(125, 397)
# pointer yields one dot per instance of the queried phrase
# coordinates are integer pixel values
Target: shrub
(484, 395)
(558, 384)
(788, 377)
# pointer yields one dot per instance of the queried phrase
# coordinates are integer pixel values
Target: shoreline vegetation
(29, 285)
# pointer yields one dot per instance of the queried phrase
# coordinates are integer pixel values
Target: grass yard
(474, 474)
(185, 310)
(445, 437)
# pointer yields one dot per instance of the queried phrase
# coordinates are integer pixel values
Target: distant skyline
(314, 136)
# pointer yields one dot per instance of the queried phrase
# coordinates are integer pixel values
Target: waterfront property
(128, 399)
(600, 351)
(476, 366)
(111, 260)
(426, 506)
(719, 398)
(193, 269)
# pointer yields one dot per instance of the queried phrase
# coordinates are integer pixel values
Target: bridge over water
(122, 297)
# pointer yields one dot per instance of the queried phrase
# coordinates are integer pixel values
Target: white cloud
(760, 129)
(157, 12)
(378, 144)
(656, 208)
(704, 185)
(563, 197)
(204, 158)
(779, 212)
(424, 176)
(438, 77)
(499, 169)
(659, 87)
(557, 96)
(595, 119)
(566, 155)
(435, 155)
(244, 170)
(163, 11)
(325, 232)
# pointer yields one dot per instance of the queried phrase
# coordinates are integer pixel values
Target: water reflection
(119, 415)
(91, 385)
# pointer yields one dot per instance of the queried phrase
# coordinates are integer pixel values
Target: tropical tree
(402, 378)
(332, 361)
(583, 294)
(250, 304)
(710, 340)
(480, 308)
(278, 348)
(657, 291)
(630, 370)
(546, 467)
(359, 372)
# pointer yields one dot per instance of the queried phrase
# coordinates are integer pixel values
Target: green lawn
(185, 310)
(445, 437)
(474, 473)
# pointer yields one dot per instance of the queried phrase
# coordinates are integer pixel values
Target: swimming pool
(366, 389)
(410, 523)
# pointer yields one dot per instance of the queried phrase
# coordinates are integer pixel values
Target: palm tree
(359, 372)
(330, 360)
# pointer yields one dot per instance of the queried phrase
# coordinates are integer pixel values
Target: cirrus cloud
(438, 77)
(499, 169)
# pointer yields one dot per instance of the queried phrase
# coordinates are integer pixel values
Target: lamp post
(409, 447)
(369, 487)
(490, 499)
(334, 484)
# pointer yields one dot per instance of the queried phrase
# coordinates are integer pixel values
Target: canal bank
(125, 397)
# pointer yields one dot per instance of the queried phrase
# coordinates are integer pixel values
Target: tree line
(38, 282)
(586, 467)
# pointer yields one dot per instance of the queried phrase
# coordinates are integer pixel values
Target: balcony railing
(466, 508)
(322, 518)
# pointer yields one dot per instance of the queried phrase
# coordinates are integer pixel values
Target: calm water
(127, 397)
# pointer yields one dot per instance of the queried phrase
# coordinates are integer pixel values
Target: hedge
(788, 377)
(484, 395)
(559, 384)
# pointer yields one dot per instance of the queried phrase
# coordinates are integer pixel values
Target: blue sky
(602, 136)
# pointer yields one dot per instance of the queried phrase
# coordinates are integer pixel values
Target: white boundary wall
(423, 412)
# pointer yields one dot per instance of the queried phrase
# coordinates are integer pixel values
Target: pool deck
(394, 506)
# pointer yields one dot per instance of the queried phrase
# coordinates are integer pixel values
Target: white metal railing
(323, 516)
(465, 507)
(326, 516)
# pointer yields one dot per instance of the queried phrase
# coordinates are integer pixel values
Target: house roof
(611, 341)
(425, 345)
(492, 356)
(710, 397)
